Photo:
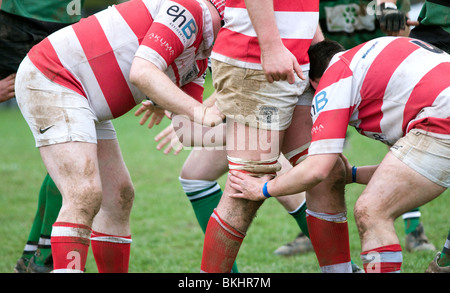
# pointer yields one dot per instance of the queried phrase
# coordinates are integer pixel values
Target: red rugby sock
(221, 246)
(330, 239)
(384, 259)
(70, 245)
(111, 252)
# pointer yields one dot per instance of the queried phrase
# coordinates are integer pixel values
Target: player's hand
(248, 187)
(212, 116)
(150, 110)
(280, 64)
(7, 87)
(392, 20)
(169, 138)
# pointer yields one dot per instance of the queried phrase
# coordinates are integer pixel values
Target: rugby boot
(300, 244)
(435, 268)
(417, 240)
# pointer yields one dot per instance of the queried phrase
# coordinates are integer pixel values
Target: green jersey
(60, 11)
(436, 12)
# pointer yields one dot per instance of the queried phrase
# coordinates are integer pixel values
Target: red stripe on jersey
(194, 90)
(331, 124)
(139, 24)
(104, 64)
(336, 72)
(45, 58)
(304, 5)
(376, 80)
(244, 43)
(299, 48)
(423, 95)
(169, 46)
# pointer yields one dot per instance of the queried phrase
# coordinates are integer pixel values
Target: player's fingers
(144, 118)
(299, 70)
(269, 78)
(163, 143)
(236, 187)
(152, 121)
(159, 119)
(163, 133)
(238, 175)
(140, 110)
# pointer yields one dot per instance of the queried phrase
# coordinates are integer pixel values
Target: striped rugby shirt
(384, 88)
(237, 43)
(93, 57)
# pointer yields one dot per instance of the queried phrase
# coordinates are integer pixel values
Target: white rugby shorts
(56, 114)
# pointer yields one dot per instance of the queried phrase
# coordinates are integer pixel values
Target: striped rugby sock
(111, 252)
(330, 239)
(221, 246)
(384, 259)
(70, 245)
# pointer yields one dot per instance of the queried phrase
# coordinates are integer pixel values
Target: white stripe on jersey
(396, 89)
(306, 23)
(66, 43)
(113, 24)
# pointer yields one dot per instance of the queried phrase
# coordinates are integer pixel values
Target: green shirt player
(23, 24)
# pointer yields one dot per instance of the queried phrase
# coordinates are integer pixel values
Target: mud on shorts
(56, 114)
(246, 96)
(427, 155)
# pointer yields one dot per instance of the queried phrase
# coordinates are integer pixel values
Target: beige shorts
(427, 155)
(246, 96)
(56, 114)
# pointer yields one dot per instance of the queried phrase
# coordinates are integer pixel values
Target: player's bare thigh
(74, 168)
(395, 189)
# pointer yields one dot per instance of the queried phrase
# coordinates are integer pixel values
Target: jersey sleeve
(331, 109)
(174, 29)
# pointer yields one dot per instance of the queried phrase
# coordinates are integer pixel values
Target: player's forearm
(304, 176)
(363, 174)
(160, 89)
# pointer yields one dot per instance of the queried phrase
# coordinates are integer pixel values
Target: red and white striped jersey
(93, 57)
(237, 42)
(384, 88)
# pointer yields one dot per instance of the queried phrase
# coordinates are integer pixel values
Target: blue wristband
(354, 174)
(265, 192)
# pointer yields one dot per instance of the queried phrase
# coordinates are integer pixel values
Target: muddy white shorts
(246, 96)
(427, 155)
(56, 114)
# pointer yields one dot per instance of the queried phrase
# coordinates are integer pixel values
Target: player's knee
(126, 196)
(83, 203)
(255, 168)
(364, 215)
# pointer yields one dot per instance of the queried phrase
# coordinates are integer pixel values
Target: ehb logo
(74, 7)
(185, 23)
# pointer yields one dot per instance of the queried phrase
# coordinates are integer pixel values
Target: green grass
(166, 236)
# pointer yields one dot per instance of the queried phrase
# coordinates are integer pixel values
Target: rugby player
(259, 66)
(72, 84)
